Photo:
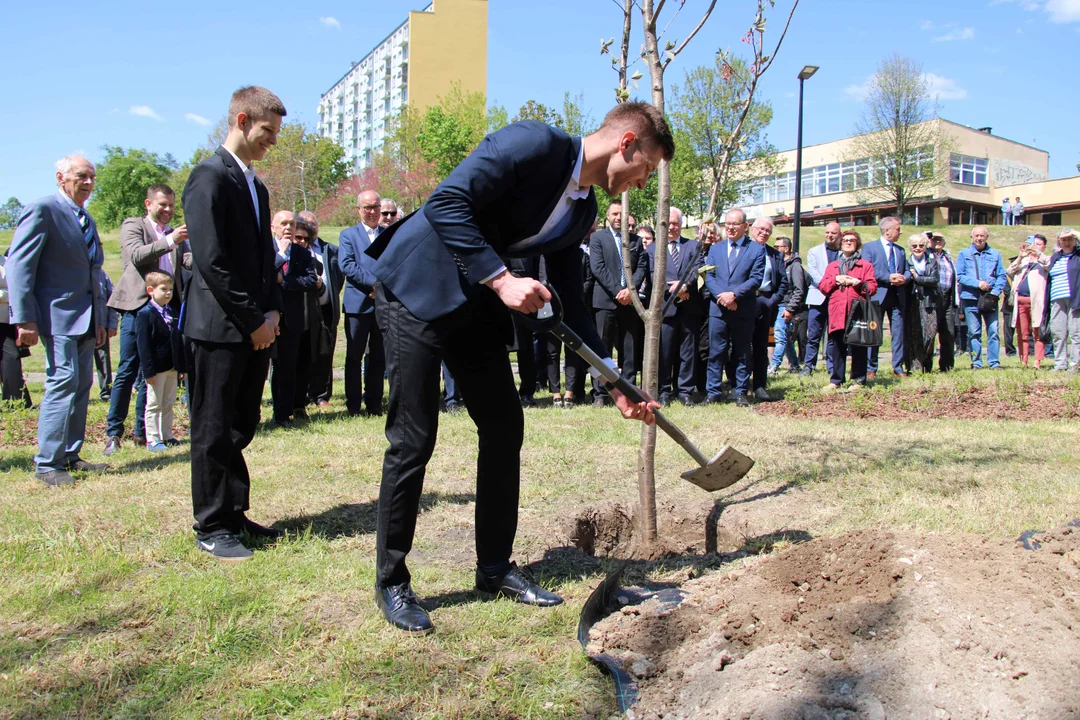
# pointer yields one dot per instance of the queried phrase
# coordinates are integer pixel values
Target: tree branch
(693, 32)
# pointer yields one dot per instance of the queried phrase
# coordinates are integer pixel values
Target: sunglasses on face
(387, 213)
(368, 207)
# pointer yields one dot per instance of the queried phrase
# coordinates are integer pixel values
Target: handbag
(325, 345)
(864, 323)
(988, 302)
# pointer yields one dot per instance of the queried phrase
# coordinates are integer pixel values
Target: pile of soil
(871, 624)
(1011, 402)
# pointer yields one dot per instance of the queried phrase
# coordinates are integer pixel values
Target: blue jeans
(817, 325)
(784, 346)
(128, 375)
(69, 374)
(974, 320)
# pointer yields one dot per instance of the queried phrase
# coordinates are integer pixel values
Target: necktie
(733, 252)
(892, 258)
(675, 254)
(88, 232)
(618, 249)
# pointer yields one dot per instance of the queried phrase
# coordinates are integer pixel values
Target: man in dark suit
(321, 385)
(682, 321)
(147, 244)
(230, 319)
(617, 320)
(295, 346)
(55, 294)
(361, 330)
(773, 287)
(737, 269)
(443, 294)
(890, 269)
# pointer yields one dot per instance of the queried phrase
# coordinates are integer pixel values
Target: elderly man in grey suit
(53, 276)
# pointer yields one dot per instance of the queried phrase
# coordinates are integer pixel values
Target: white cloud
(145, 111)
(1063, 11)
(197, 119)
(789, 94)
(961, 34)
(942, 88)
(1029, 5)
(927, 25)
(330, 22)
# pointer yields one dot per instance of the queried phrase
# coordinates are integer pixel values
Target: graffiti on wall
(1011, 172)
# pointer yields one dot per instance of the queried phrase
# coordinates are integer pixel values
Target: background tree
(720, 137)
(533, 110)
(303, 169)
(10, 213)
(122, 179)
(452, 129)
(179, 177)
(899, 149)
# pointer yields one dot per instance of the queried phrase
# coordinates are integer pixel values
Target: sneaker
(112, 445)
(226, 548)
(54, 478)
(157, 447)
(807, 371)
(830, 388)
(773, 370)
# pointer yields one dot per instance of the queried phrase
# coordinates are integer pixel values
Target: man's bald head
(368, 203)
(832, 235)
(283, 225)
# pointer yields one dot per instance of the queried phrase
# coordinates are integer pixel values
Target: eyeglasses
(734, 224)
(368, 207)
(388, 213)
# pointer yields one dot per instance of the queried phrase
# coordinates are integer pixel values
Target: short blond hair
(156, 278)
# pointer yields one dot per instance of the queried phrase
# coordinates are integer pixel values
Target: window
(1051, 218)
(967, 170)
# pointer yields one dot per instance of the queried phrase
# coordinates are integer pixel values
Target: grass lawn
(109, 611)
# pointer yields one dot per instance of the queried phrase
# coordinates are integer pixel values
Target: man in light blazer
(817, 321)
(147, 244)
(890, 270)
(737, 269)
(53, 279)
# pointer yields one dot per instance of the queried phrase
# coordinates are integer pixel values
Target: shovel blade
(725, 469)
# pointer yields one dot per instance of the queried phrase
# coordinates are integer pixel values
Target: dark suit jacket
(299, 288)
(503, 193)
(159, 345)
(744, 279)
(358, 269)
(607, 268)
(233, 281)
(141, 252)
(330, 253)
(688, 253)
(875, 254)
(777, 277)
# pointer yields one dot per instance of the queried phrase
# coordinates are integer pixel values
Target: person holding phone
(1029, 278)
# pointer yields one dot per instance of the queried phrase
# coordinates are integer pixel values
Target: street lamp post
(807, 72)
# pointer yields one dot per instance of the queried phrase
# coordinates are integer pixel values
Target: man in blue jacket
(442, 294)
(737, 269)
(979, 271)
(359, 306)
(55, 294)
(890, 270)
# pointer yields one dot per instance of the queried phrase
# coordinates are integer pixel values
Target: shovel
(726, 468)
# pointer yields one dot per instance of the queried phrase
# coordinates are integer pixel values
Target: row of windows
(968, 170)
(831, 178)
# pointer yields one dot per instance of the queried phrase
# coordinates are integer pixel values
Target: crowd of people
(214, 306)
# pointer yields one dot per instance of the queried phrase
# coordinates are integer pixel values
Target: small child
(158, 342)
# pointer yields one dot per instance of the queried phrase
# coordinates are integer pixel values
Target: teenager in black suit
(617, 320)
(230, 318)
(442, 293)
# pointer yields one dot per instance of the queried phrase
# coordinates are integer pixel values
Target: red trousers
(1023, 322)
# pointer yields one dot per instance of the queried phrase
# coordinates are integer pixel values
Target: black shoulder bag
(988, 301)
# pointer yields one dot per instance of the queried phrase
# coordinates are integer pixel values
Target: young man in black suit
(442, 293)
(230, 319)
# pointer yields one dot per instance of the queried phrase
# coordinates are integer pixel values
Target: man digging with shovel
(443, 295)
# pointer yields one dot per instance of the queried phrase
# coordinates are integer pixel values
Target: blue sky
(137, 74)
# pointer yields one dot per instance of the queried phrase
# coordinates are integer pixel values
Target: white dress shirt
(249, 175)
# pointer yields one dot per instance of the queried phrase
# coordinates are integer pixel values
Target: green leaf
(636, 76)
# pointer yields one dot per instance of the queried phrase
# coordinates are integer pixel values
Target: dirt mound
(1006, 400)
(866, 625)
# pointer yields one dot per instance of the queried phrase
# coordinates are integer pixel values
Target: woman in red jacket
(846, 278)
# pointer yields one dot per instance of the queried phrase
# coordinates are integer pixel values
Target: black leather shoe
(741, 401)
(254, 529)
(517, 584)
(112, 446)
(664, 399)
(55, 478)
(686, 400)
(80, 464)
(402, 610)
(714, 400)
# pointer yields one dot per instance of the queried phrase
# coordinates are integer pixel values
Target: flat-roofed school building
(983, 170)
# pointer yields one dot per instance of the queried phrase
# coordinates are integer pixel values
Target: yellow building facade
(412, 67)
(983, 170)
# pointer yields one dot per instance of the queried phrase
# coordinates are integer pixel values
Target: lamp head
(807, 72)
